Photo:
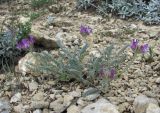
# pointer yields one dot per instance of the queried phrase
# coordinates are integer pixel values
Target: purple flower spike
(112, 73)
(86, 30)
(26, 42)
(144, 48)
(134, 44)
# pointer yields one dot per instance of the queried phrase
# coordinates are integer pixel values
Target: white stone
(153, 108)
(57, 106)
(158, 80)
(101, 106)
(141, 103)
(67, 99)
(38, 96)
(33, 86)
(39, 104)
(82, 102)
(17, 97)
(19, 108)
(75, 93)
(37, 111)
(23, 19)
(73, 109)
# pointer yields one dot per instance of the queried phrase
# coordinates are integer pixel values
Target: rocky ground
(137, 91)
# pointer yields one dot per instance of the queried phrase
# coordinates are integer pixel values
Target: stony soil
(44, 94)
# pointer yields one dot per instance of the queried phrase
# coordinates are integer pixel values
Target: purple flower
(26, 42)
(144, 48)
(112, 73)
(102, 72)
(134, 44)
(85, 30)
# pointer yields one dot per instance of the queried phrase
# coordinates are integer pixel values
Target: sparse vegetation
(149, 12)
(54, 58)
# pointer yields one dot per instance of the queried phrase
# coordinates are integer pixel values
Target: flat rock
(101, 106)
(39, 104)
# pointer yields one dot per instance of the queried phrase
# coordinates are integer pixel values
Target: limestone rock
(17, 97)
(141, 103)
(19, 108)
(4, 106)
(29, 61)
(39, 104)
(44, 40)
(37, 111)
(158, 80)
(67, 99)
(33, 86)
(73, 109)
(38, 96)
(153, 108)
(75, 93)
(57, 106)
(101, 106)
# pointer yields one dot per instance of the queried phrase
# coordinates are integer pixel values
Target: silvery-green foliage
(84, 4)
(8, 40)
(7, 48)
(109, 58)
(73, 65)
(138, 9)
(153, 12)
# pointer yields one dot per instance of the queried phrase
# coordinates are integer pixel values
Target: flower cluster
(85, 30)
(26, 42)
(142, 48)
(110, 73)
